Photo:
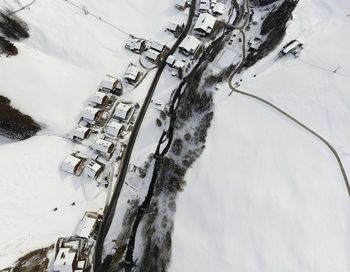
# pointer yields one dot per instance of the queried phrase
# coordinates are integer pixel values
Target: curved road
(109, 214)
(290, 117)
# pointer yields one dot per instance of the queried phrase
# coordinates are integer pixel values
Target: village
(105, 124)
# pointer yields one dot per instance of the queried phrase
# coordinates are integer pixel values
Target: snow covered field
(57, 69)
(265, 195)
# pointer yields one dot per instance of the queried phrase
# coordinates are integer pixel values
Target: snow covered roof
(134, 44)
(219, 8)
(85, 226)
(179, 64)
(121, 111)
(99, 97)
(70, 163)
(114, 128)
(90, 113)
(92, 169)
(170, 60)
(152, 54)
(158, 46)
(205, 23)
(102, 145)
(64, 258)
(80, 131)
(132, 72)
(254, 44)
(107, 84)
(204, 6)
(172, 26)
(190, 44)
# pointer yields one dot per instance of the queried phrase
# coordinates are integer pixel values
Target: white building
(103, 146)
(135, 45)
(204, 6)
(64, 260)
(153, 55)
(189, 45)
(204, 25)
(86, 225)
(99, 98)
(81, 132)
(114, 128)
(72, 164)
(219, 9)
(93, 169)
(175, 27)
(90, 114)
(170, 60)
(122, 111)
(158, 46)
(132, 73)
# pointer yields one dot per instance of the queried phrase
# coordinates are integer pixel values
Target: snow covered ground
(265, 195)
(57, 69)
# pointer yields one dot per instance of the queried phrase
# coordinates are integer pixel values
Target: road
(278, 109)
(109, 214)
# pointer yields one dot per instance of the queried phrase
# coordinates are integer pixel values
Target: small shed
(170, 60)
(153, 55)
(90, 114)
(114, 128)
(189, 45)
(72, 164)
(122, 111)
(64, 260)
(132, 74)
(99, 98)
(204, 25)
(81, 132)
(93, 169)
(103, 146)
(219, 9)
(158, 46)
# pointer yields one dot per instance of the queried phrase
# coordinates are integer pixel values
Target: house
(103, 146)
(114, 128)
(91, 114)
(87, 225)
(158, 46)
(219, 9)
(132, 74)
(182, 4)
(153, 56)
(189, 45)
(294, 47)
(135, 45)
(93, 169)
(204, 25)
(64, 261)
(175, 27)
(204, 6)
(170, 60)
(72, 165)
(111, 85)
(179, 65)
(81, 132)
(122, 112)
(254, 45)
(99, 98)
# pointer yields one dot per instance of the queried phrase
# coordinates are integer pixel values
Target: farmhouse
(175, 27)
(218, 9)
(72, 165)
(158, 46)
(65, 260)
(111, 85)
(132, 74)
(204, 25)
(135, 45)
(103, 146)
(153, 56)
(91, 114)
(93, 169)
(189, 45)
(81, 132)
(99, 98)
(87, 225)
(122, 112)
(114, 128)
